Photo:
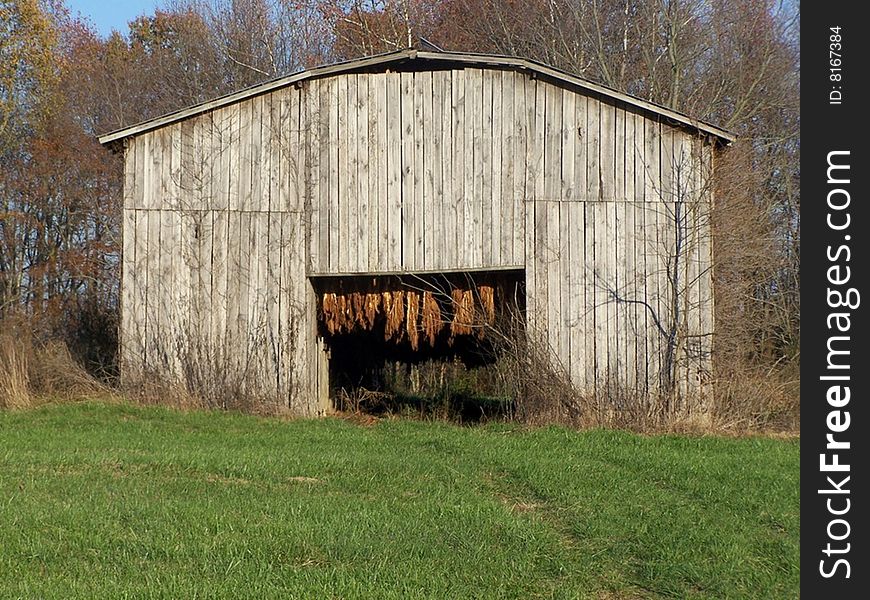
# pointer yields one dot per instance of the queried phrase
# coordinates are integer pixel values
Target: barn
(257, 225)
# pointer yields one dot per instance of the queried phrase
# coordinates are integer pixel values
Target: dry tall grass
(33, 373)
(14, 374)
(186, 371)
(744, 401)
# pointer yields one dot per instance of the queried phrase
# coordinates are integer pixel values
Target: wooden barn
(256, 224)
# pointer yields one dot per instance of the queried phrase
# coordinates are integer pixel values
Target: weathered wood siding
(415, 171)
(215, 231)
(619, 252)
(227, 214)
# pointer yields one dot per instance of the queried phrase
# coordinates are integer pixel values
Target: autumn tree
(363, 28)
(27, 76)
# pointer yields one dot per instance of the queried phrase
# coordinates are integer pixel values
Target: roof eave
(250, 92)
(113, 138)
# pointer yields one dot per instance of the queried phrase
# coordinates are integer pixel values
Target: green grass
(102, 500)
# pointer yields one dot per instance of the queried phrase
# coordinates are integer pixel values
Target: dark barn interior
(419, 343)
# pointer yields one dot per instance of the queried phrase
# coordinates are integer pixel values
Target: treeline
(734, 63)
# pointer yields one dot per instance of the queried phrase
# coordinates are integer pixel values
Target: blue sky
(107, 15)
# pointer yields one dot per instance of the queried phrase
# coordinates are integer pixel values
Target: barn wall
(417, 171)
(228, 212)
(214, 282)
(617, 228)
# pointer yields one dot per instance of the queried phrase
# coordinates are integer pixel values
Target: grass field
(111, 501)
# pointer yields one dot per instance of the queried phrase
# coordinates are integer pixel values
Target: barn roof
(434, 58)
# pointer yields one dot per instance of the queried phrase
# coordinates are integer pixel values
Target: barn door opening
(424, 344)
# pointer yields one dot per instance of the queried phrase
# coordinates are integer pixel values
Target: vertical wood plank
(278, 259)
(641, 312)
(608, 282)
(259, 114)
(421, 81)
(630, 310)
(292, 308)
(142, 163)
(469, 168)
(553, 144)
(576, 313)
(383, 172)
(532, 180)
(274, 138)
(245, 155)
(302, 126)
(153, 292)
(600, 215)
(543, 254)
(232, 143)
(253, 305)
(330, 103)
(485, 168)
(607, 130)
(569, 138)
(318, 129)
(205, 271)
(352, 198)
(499, 217)
(235, 282)
(621, 237)
(506, 159)
(162, 317)
(431, 155)
(168, 327)
(580, 190)
(474, 110)
(564, 276)
(363, 156)
(291, 160)
(521, 159)
(593, 150)
(541, 234)
(444, 188)
(361, 237)
(287, 366)
(179, 290)
(374, 169)
(250, 334)
(619, 175)
(219, 156)
(554, 280)
(611, 268)
(347, 176)
(187, 179)
(218, 302)
(409, 232)
(458, 164)
(395, 171)
(154, 148)
(268, 297)
(198, 186)
(654, 267)
(625, 323)
(589, 298)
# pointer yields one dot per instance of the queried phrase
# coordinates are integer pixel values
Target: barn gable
(418, 163)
